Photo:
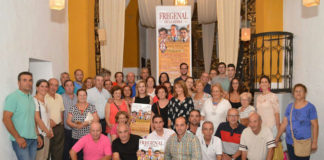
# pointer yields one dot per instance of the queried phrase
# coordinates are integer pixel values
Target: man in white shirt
(257, 141)
(99, 96)
(211, 146)
(159, 132)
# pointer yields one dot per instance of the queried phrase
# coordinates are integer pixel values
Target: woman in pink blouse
(267, 105)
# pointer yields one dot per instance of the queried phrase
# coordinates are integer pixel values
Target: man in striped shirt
(257, 142)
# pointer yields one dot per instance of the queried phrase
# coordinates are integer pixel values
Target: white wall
(28, 29)
(307, 24)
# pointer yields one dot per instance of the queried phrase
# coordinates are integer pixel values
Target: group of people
(207, 118)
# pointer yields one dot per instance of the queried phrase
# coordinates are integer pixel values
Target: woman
(236, 88)
(304, 122)
(119, 77)
(164, 77)
(121, 117)
(42, 118)
(267, 105)
(87, 83)
(215, 108)
(246, 108)
(77, 117)
(127, 93)
(190, 85)
(118, 104)
(212, 73)
(108, 85)
(150, 86)
(141, 94)
(200, 96)
(180, 105)
(162, 105)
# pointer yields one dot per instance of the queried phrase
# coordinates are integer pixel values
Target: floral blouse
(178, 108)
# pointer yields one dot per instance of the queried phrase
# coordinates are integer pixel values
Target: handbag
(302, 148)
(40, 135)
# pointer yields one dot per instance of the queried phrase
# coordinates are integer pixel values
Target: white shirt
(99, 99)
(43, 114)
(215, 113)
(166, 134)
(246, 112)
(152, 94)
(214, 148)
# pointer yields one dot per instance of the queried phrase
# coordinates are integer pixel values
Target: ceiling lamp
(180, 2)
(245, 31)
(311, 3)
(57, 4)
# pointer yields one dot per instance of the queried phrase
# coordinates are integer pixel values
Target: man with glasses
(183, 71)
(230, 133)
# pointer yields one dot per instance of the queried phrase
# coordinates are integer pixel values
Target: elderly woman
(79, 117)
(200, 96)
(301, 118)
(215, 108)
(246, 108)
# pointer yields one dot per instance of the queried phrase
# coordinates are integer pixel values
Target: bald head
(95, 125)
(130, 77)
(255, 122)
(255, 116)
(95, 130)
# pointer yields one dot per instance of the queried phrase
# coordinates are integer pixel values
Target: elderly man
(64, 77)
(183, 144)
(159, 132)
(257, 141)
(126, 145)
(94, 145)
(205, 78)
(211, 146)
(99, 96)
(230, 132)
(130, 77)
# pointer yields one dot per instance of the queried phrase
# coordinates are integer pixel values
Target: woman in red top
(118, 104)
(119, 77)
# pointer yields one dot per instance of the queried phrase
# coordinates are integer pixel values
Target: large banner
(151, 149)
(173, 29)
(141, 119)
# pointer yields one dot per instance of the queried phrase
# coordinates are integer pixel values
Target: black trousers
(103, 125)
(68, 144)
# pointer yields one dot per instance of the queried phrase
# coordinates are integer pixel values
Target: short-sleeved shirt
(224, 82)
(99, 99)
(178, 108)
(23, 108)
(267, 105)
(200, 102)
(230, 137)
(246, 112)
(41, 108)
(68, 102)
(55, 107)
(77, 116)
(166, 134)
(60, 90)
(128, 150)
(257, 145)
(92, 149)
(77, 86)
(211, 151)
(162, 112)
(301, 122)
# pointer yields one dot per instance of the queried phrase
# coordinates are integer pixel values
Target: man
(78, 75)
(230, 132)
(205, 78)
(64, 77)
(126, 145)
(211, 146)
(194, 122)
(184, 37)
(94, 145)
(69, 99)
(257, 141)
(163, 34)
(174, 33)
(144, 74)
(231, 71)
(55, 106)
(130, 77)
(99, 96)
(222, 78)
(183, 72)
(19, 119)
(159, 132)
(106, 74)
(183, 144)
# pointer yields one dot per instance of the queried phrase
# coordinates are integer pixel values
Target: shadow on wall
(309, 12)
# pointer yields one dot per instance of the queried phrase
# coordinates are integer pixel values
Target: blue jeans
(292, 155)
(28, 153)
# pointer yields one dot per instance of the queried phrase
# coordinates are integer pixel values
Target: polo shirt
(99, 99)
(55, 107)
(212, 150)
(23, 108)
(230, 137)
(166, 134)
(68, 102)
(91, 149)
(257, 145)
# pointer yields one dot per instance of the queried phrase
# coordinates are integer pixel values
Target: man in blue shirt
(78, 75)
(131, 82)
(64, 77)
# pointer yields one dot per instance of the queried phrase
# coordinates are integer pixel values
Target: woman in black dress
(141, 94)
(161, 106)
(236, 88)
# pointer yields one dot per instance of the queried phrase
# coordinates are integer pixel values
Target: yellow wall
(131, 45)
(81, 37)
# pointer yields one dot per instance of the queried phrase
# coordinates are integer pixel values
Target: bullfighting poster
(151, 149)
(141, 119)
(173, 30)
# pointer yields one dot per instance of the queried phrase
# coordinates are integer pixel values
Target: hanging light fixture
(101, 35)
(57, 4)
(311, 3)
(180, 2)
(245, 31)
